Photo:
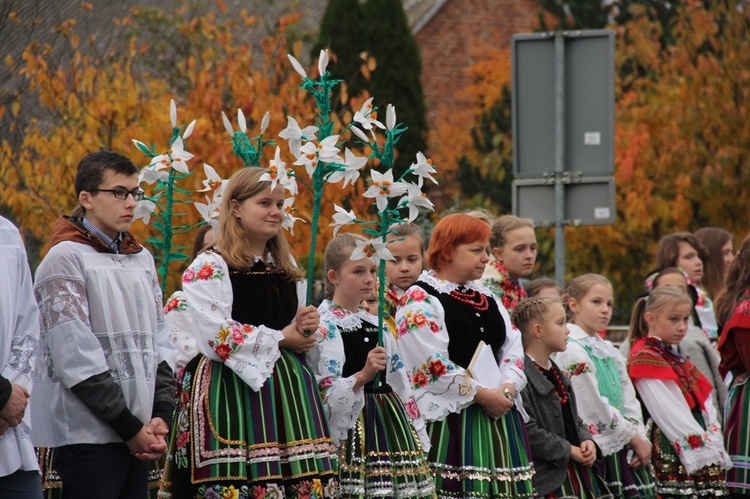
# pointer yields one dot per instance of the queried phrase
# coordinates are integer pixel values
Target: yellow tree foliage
(103, 101)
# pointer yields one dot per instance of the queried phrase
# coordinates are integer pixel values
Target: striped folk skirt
(474, 455)
(581, 483)
(672, 480)
(623, 481)
(230, 441)
(382, 455)
(737, 435)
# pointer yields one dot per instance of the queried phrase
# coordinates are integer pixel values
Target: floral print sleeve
(512, 354)
(440, 386)
(398, 379)
(695, 446)
(341, 403)
(250, 350)
(610, 429)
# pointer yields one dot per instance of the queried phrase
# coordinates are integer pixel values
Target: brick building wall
(456, 36)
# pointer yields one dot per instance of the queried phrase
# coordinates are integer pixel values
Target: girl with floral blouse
(688, 449)
(375, 421)
(514, 247)
(249, 420)
(606, 398)
(479, 445)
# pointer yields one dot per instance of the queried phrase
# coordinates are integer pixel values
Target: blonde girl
(407, 247)
(513, 253)
(378, 427)
(249, 420)
(688, 449)
(607, 401)
(563, 448)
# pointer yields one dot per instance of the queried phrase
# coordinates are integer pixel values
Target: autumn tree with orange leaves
(682, 139)
(101, 100)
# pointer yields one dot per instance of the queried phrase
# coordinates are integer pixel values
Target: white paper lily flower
(227, 124)
(276, 171)
(297, 66)
(390, 117)
(213, 180)
(367, 117)
(323, 62)
(294, 135)
(289, 219)
(173, 112)
(423, 168)
(383, 187)
(308, 157)
(175, 158)
(264, 122)
(327, 150)
(374, 250)
(341, 218)
(415, 199)
(143, 210)
(152, 173)
(351, 173)
(210, 209)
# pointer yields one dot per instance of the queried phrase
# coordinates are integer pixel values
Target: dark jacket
(546, 429)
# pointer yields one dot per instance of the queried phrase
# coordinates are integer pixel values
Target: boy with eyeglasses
(104, 387)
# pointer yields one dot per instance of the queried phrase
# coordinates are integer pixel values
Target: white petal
(359, 133)
(264, 123)
(227, 124)
(297, 66)
(241, 120)
(390, 117)
(173, 112)
(180, 166)
(323, 62)
(189, 130)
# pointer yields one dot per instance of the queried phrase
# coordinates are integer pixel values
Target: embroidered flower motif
(331, 488)
(207, 272)
(396, 362)
(402, 328)
(317, 488)
(175, 303)
(576, 369)
(412, 409)
(419, 379)
(434, 327)
(677, 448)
(415, 295)
(436, 368)
(334, 367)
(325, 384)
(695, 441)
(593, 429)
(230, 339)
(418, 319)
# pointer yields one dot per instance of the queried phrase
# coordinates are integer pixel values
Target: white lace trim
(713, 454)
(616, 441)
(446, 287)
(343, 406)
(349, 321)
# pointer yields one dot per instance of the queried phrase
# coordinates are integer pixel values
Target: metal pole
(559, 158)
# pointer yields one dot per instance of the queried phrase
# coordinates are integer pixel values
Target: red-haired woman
(479, 444)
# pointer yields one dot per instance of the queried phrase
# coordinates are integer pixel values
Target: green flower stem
(317, 199)
(167, 234)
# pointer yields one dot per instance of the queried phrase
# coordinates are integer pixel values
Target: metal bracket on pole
(551, 178)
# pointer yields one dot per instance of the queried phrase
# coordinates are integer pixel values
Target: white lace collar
(345, 319)
(597, 346)
(429, 277)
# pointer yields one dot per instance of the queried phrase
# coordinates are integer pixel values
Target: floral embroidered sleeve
(180, 328)
(695, 446)
(440, 386)
(610, 429)
(341, 403)
(631, 407)
(512, 355)
(399, 380)
(250, 350)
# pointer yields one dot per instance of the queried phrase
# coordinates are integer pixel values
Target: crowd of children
(276, 399)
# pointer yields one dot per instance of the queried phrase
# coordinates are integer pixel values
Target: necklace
(560, 390)
(474, 298)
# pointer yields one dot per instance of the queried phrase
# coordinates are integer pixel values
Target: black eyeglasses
(122, 193)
